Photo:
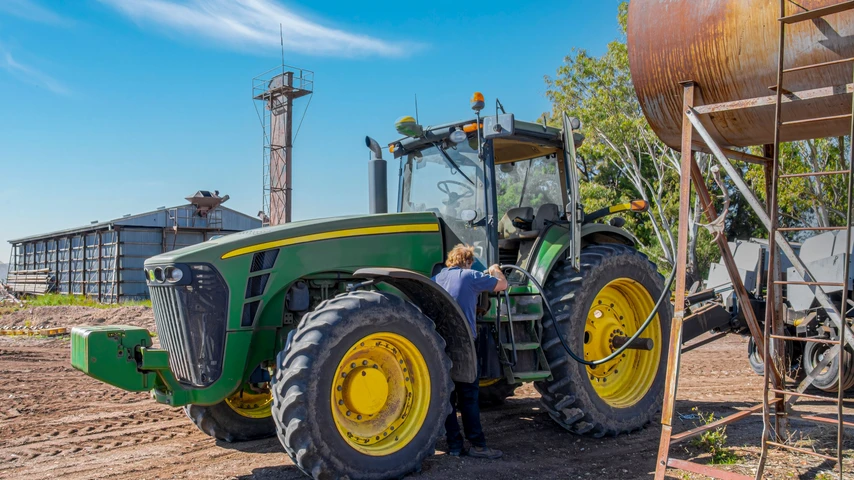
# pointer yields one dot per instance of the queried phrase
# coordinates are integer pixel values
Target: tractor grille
(191, 324)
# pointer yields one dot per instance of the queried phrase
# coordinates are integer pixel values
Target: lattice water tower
(275, 92)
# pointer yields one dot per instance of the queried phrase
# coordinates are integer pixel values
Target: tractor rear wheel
(241, 417)
(611, 296)
(363, 390)
(494, 391)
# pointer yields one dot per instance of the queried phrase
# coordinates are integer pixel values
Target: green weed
(714, 441)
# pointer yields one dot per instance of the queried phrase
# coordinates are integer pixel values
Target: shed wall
(105, 261)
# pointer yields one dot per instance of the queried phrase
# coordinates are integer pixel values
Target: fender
(554, 244)
(593, 233)
(441, 307)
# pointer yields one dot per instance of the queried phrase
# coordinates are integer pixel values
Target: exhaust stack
(377, 178)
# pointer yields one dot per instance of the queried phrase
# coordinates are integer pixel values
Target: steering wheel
(453, 197)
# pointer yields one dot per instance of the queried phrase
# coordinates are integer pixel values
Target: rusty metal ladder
(774, 399)
(692, 123)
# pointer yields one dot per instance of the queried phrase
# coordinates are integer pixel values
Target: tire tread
(291, 382)
(560, 396)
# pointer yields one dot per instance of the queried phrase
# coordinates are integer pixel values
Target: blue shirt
(465, 285)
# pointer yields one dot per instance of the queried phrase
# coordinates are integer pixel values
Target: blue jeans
(465, 399)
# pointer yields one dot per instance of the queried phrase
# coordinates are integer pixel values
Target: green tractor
(330, 333)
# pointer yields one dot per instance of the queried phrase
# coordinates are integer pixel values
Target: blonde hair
(460, 256)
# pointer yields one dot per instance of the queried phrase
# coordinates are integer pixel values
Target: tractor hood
(243, 244)
(234, 289)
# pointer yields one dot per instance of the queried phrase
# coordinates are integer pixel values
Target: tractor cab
(510, 189)
(495, 182)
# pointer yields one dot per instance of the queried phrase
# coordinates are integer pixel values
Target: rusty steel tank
(729, 48)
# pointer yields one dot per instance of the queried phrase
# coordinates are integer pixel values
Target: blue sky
(110, 107)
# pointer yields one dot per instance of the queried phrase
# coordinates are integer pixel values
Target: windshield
(446, 184)
(529, 183)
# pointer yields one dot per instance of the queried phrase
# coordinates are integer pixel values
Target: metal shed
(104, 260)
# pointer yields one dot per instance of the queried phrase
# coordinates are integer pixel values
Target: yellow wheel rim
(619, 310)
(380, 394)
(251, 404)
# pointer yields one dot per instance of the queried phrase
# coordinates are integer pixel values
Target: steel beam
(706, 470)
(788, 97)
(675, 347)
(729, 261)
(681, 437)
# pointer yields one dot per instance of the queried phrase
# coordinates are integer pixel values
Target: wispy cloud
(30, 75)
(30, 10)
(253, 23)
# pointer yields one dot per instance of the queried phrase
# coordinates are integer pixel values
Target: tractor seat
(509, 234)
(547, 213)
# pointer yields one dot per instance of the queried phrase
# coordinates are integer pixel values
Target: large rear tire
(612, 295)
(363, 390)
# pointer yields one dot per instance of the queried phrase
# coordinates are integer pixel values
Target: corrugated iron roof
(109, 224)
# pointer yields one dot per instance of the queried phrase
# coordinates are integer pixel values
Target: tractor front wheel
(363, 390)
(610, 297)
(241, 417)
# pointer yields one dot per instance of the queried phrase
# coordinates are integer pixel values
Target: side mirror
(468, 216)
(499, 126)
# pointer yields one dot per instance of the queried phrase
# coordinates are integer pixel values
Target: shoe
(456, 451)
(485, 452)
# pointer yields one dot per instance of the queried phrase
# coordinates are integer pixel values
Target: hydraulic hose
(664, 293)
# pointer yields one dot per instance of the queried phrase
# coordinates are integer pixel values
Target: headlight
(174, 275)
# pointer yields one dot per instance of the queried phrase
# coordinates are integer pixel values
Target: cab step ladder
(509, 348)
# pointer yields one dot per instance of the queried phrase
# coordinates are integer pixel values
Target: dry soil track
(57, 423)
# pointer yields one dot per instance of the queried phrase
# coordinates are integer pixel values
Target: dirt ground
(57, 423)
(67, 316)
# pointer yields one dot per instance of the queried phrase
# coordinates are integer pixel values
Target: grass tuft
(57, 300)
(714, 441)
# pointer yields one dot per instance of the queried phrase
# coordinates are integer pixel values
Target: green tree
(808, 201)
(621, 151)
